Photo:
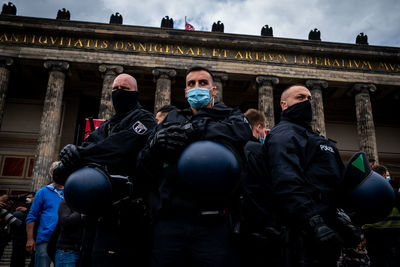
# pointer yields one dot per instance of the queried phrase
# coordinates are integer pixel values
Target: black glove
(323, 233)
(69, 156)
(350, 234)
(328, 242)
(170, 141)
(69, 162)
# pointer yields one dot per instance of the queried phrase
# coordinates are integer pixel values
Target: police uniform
(117, 141)
(305, 172)
(120, 235)
(260, 235)
(188, 226)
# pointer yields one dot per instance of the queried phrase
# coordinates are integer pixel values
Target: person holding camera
(4, 234)
(43, 212)
(13, 226)
(19, 237)
(118, 234)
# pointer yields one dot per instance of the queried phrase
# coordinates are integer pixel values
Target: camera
(16, 198)
(9, 218)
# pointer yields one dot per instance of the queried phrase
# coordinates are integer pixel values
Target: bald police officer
(119, 232)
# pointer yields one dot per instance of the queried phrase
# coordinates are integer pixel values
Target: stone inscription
(138, 47)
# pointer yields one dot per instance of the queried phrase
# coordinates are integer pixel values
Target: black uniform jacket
(221, 124)
(258, 206)
(306, 170)
(116, 143)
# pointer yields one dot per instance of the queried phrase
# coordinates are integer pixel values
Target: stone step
(6, 259)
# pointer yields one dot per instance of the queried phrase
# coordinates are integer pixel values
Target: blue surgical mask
(262, 139)
(198, 97)
(387, 178)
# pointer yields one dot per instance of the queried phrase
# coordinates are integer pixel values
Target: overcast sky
(337, 20)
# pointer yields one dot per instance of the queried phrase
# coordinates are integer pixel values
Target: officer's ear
(284, 105)
(214, 91)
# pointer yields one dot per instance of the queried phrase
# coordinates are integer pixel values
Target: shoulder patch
(139, 128)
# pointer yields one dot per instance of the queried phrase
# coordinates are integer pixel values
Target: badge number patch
(139, 128)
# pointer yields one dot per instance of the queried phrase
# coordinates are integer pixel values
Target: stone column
(49, 124)
(365, 120)
(106, 109)
(163, 88)
(219, 79)
(266, 97)
(318, 120)
(5, 62)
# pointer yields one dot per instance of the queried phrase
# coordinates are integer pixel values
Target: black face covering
(124, 101)
(300, 113)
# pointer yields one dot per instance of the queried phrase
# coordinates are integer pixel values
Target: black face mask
(300, 113)
(124, 101)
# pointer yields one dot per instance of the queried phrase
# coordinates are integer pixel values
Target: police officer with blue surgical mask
(192, 228)
(257, 121)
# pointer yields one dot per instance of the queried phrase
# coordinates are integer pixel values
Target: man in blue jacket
(43, 211)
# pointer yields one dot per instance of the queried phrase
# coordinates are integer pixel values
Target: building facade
(56, 73)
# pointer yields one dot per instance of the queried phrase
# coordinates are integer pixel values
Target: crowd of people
(201, 186)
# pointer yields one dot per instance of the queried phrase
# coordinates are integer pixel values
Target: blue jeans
(66, 258)
(41, 257)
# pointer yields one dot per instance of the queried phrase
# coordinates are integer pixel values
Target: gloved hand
(69, 162)
(69, 156)
(323, 233)
(170, 141)
(328, 241)
(350, 233)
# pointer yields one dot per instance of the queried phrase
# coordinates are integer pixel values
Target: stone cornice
(240, 41)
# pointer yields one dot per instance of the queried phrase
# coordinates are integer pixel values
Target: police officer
(190, 226)
(259, 233)
(305, 172)
(119, 233)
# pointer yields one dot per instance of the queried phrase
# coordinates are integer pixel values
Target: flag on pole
(188, 27)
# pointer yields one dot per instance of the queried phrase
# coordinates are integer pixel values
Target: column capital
(220, 76)
(363, 88)
(56, 65)
(6, 61)
(316, 84)
(267, 80)
(115, 69)
(164, 73)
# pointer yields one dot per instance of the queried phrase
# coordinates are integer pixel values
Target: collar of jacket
(122, 115)
(219, 111)
(300, 123)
